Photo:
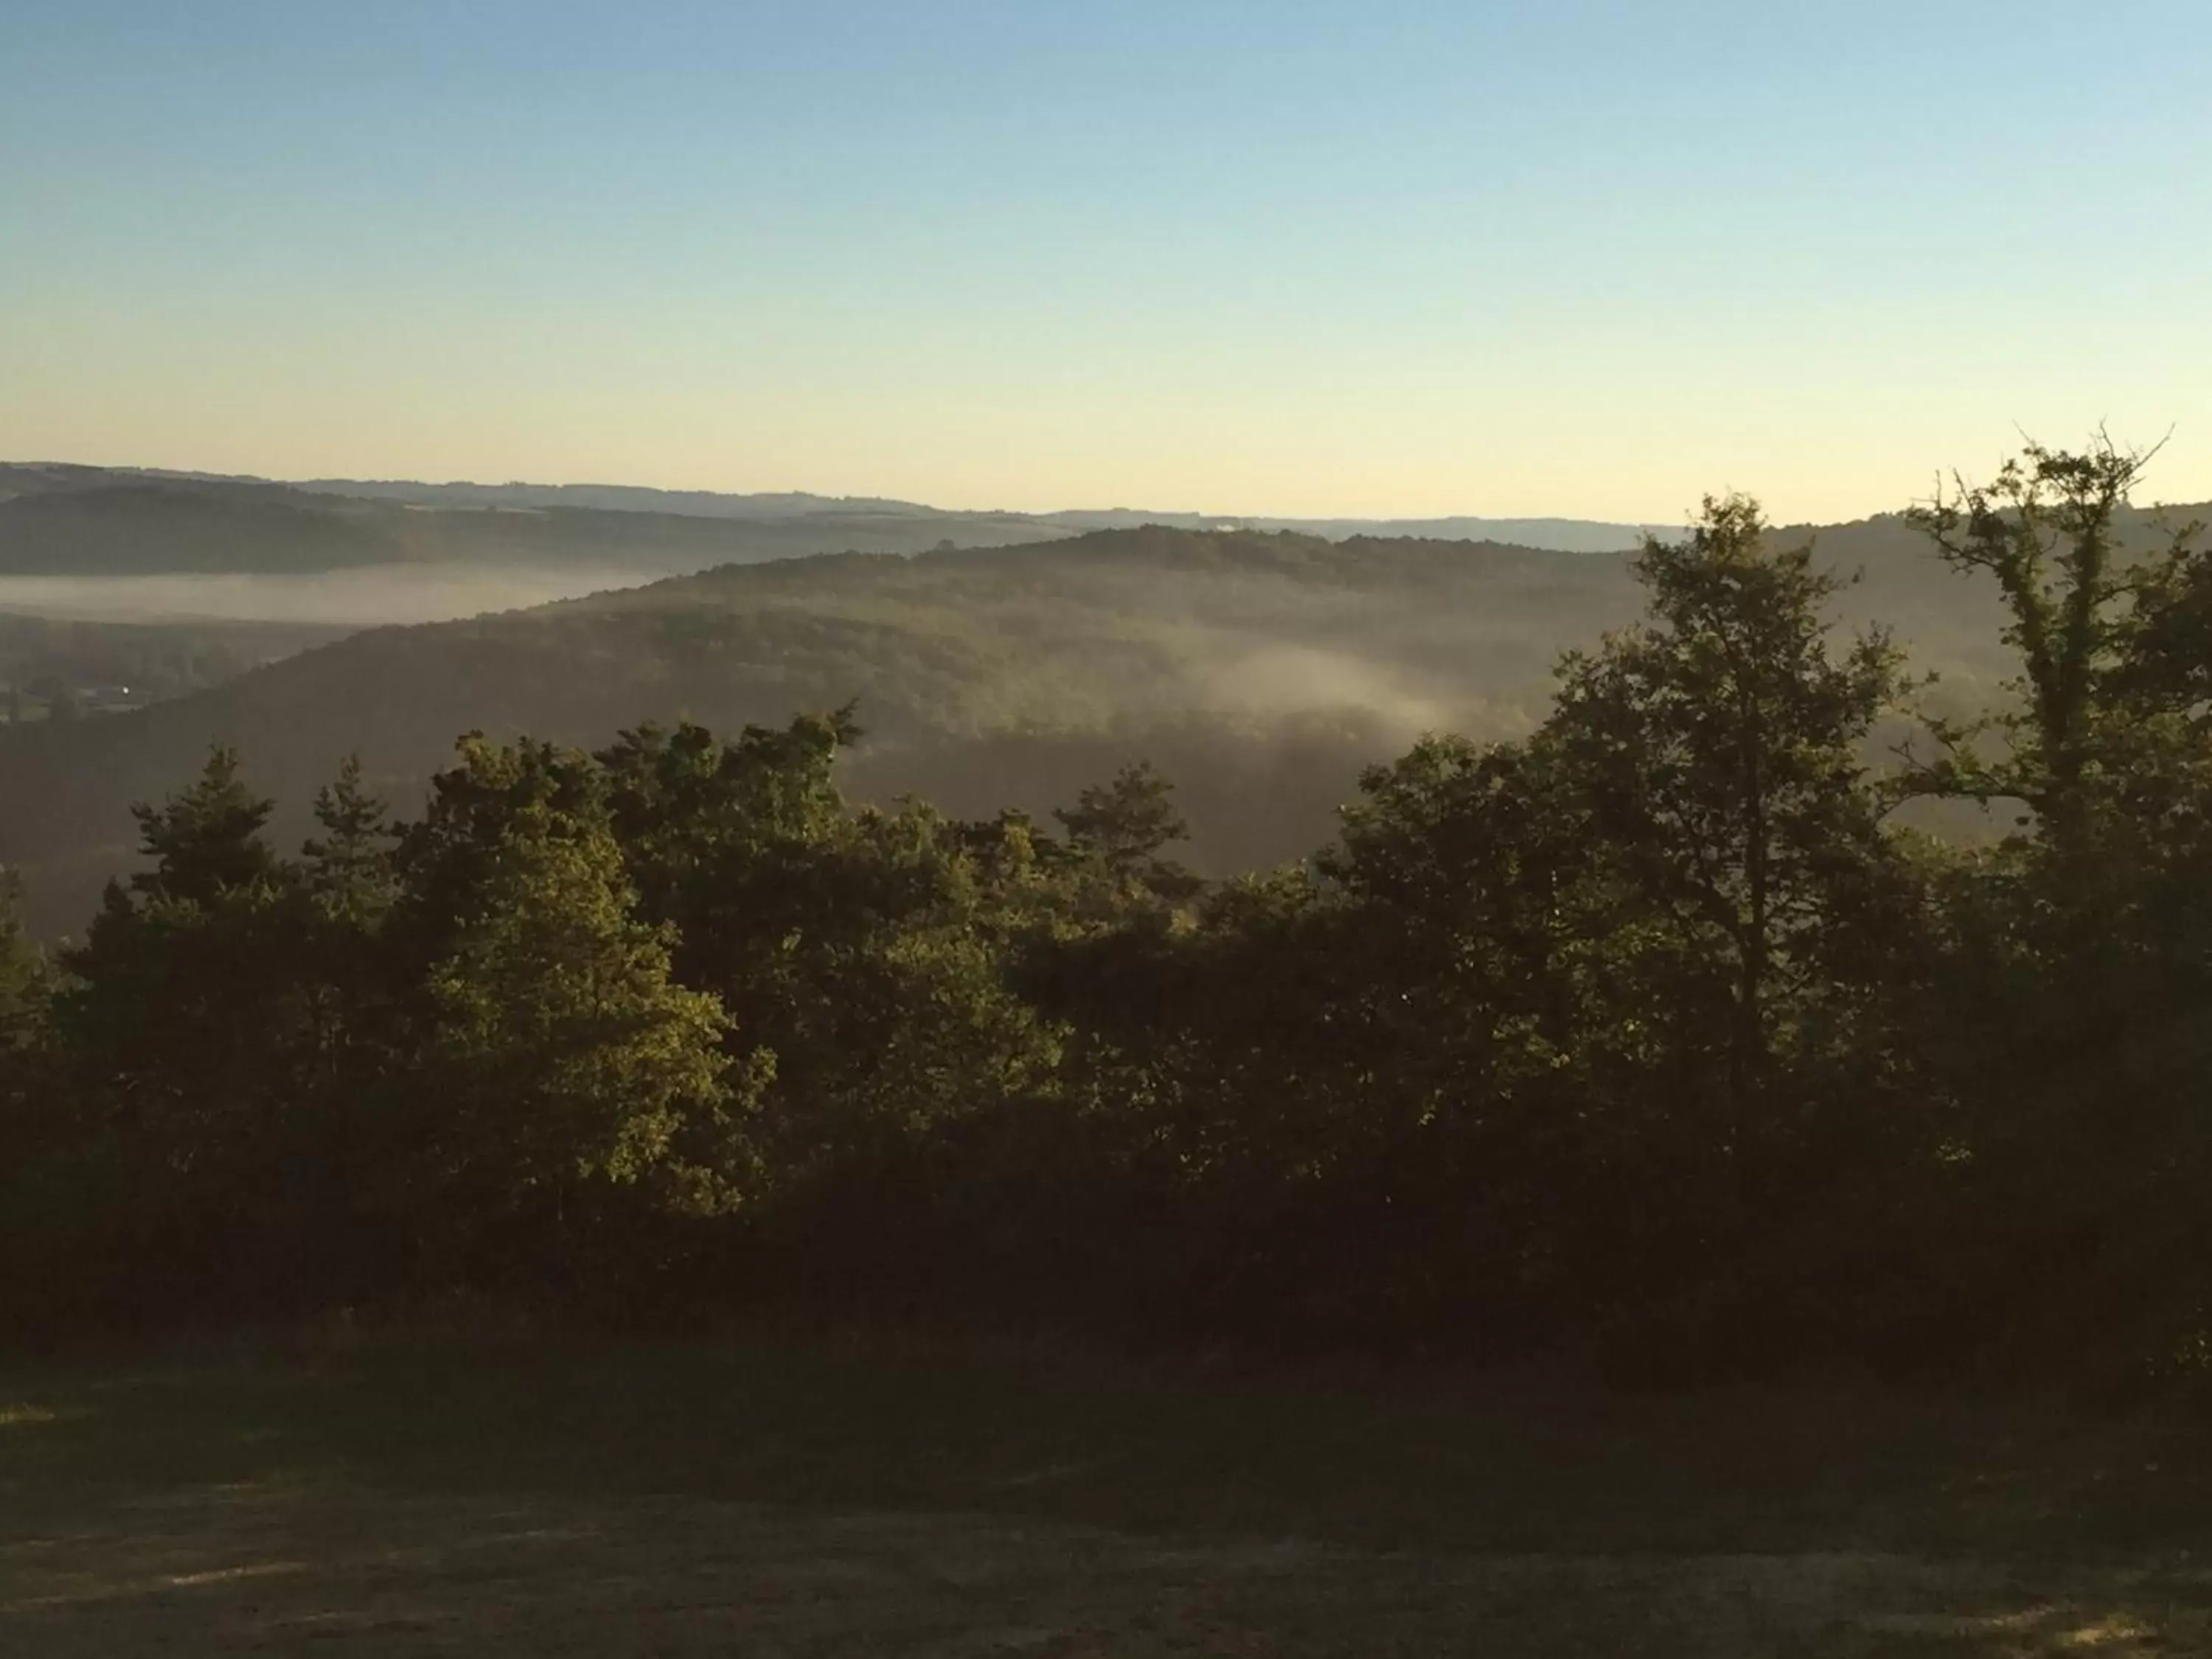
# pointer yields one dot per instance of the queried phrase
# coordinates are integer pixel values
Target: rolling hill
(73, 521)
(66, 519)
(1261, 671)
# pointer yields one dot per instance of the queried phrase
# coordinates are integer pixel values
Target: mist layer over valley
(369, 596)
(110, 544)
(1260, 670)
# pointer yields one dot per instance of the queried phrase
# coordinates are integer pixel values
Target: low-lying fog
(368, 597)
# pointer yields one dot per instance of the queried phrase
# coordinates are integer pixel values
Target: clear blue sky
(1243, 255)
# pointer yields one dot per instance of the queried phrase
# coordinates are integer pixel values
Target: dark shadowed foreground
(767, 1499)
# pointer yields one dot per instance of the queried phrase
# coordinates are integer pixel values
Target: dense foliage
(1648, 1036)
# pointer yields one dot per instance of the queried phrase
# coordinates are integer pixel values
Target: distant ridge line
(1551, 533)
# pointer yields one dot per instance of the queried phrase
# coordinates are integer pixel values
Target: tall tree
(1721, 749)
(2087, 615)
(349, 866)
(2070, 1020)
(183, 1019)
(354, 983)
(171, 986)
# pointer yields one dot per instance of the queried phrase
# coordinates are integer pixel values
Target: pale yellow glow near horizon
(1818, 437)
(966, 463)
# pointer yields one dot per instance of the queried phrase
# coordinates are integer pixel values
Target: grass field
(759, 1498)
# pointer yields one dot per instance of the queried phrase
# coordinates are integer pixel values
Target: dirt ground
(776, 1502)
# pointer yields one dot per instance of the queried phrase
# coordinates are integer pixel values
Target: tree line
(1652, 1039)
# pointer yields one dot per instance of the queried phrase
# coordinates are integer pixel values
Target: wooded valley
(1632, 1023)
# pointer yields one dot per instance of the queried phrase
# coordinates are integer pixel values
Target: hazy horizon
(2189, 481)
(336, 482)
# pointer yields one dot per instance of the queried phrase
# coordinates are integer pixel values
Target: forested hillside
(44, 657)
(93, 521)
(1261, 671)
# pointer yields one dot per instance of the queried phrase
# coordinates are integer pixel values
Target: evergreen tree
(184, 1023)
(349, 866)
(357, 988)
(206, 840)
